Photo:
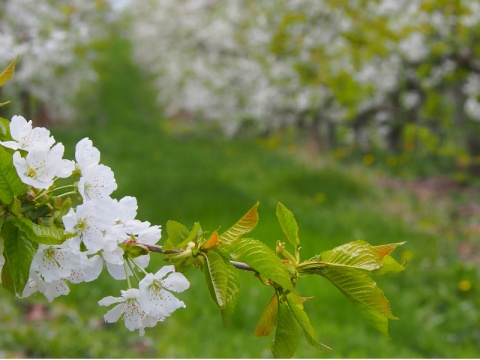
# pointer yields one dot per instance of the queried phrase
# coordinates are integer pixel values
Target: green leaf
(268, 319)
(4, 103)
(7, 280)
(4, 129)
(356, 254)
(364, 293)
(286, 335)
(19, 252)
(40, 234)
(288, 224)
(295, 304)
(262, 259)
(243, 226)
(10, 183)
(8, 72)
(216, 274)
(389, 264)
(233, 288)
(179, 235)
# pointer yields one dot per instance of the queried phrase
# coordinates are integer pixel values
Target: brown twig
(159, 249)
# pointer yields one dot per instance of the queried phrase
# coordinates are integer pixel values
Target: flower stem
(129, 284)
(68, 193)
(128, 260)
(138, 266)
(61, 188)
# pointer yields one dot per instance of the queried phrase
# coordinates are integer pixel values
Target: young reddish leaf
(212, 241)
(383, 250)
(243, 226)
(268, 319)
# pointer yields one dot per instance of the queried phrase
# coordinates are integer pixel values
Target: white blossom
(55, 262)
(97, 182)
(42, 165)
(91, 221)
(86, 154)
(51, 290)
(89, 269)
(129, 308)
(25, 137)
(155, 291)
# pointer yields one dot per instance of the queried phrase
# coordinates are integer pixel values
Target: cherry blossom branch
(159, 249)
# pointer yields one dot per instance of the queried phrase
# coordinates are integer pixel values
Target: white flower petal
(160, 274)
(86, 154)
(176, 282)
(114, 314)
(109, 300)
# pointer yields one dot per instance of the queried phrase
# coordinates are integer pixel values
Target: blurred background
(361, 116)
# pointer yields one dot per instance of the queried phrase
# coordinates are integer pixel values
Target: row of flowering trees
(375, 73)
(60, 225)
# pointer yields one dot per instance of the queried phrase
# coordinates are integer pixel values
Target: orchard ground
(192, 174)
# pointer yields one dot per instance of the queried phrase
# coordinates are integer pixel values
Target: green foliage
(216, 274)
(295, 304)
(344, 266)
(10, 184)
(286, 334)
(246, 224)
(19, 251)
(179, 235)
(288, 224)
(40, 234)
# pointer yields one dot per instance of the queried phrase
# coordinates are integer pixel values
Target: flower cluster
(100, 230)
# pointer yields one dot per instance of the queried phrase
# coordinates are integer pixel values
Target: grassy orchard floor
(199, 176)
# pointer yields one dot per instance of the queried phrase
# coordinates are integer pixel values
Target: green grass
(200, 176)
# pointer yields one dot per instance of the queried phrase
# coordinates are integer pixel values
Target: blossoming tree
(60, 226)
(56, 41)
(389, 74)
